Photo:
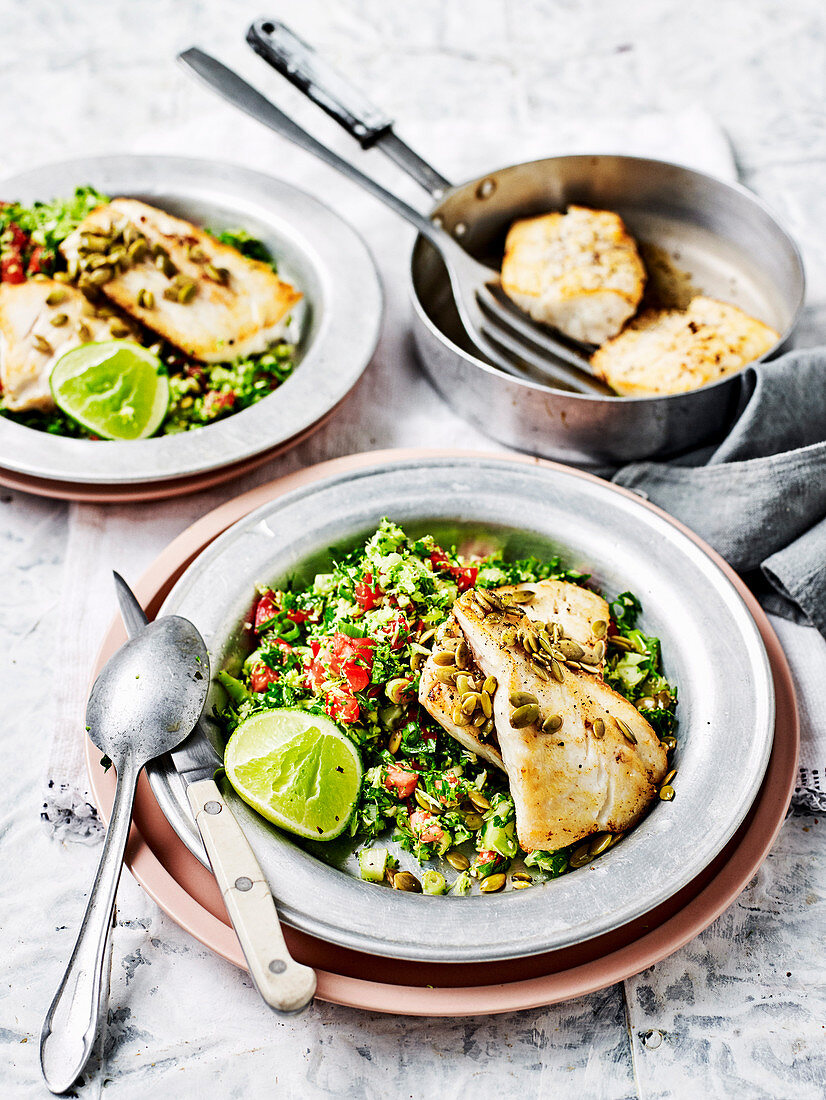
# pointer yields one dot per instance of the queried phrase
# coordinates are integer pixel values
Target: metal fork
(509, 340)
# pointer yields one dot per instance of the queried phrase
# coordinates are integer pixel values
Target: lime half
(116, 389)
(296, 769)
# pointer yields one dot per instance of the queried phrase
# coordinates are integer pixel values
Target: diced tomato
(265, 610)
(298, 616)
(397, 630)
(487, 855)
(439, 560)
(402, 781)
(464, 575)
(343, 706)
(216, 402)
(426, 827)
(36, 260)
(367, 596)
(356, 675)
(262, 676)
(18, 237)
(11, 268)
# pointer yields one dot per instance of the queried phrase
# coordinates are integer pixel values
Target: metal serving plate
(322, 255)
(712, 651)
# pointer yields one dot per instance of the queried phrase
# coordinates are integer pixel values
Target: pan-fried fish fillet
(221, 322)
(30, 344)
(576, 609)
(672, 350)
(439, 698)
(571, 783)
(580, 272)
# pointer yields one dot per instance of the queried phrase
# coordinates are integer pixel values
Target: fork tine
(507, 317)
(539, 366)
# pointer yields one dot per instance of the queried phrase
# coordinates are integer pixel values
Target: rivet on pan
(212, 807)
(438, 222)
(459, 229)
(243, 883)
(278, 966)
(486, 188)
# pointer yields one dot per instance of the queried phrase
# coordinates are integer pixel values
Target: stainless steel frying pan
(719, 237)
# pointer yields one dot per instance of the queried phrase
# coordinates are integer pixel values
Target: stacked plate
(339, 326)
(671, 875)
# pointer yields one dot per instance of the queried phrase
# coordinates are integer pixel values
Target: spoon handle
(71, 1023)
(285, 985)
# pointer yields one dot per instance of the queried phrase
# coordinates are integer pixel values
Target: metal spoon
(146, 700)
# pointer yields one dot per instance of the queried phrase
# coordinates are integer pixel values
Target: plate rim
(348, 336)
(369, 994)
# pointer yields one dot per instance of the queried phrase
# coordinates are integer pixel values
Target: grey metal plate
(322, 255)
(711, 647)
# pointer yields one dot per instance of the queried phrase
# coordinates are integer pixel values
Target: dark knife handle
(318, 80)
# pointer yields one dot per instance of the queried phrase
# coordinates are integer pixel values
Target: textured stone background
(737, 1013)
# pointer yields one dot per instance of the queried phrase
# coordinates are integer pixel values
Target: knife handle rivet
(212, 807)
(278, 966)
(243, 883)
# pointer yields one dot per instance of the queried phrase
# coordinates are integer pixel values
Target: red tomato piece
(298, 616)
(19, 238)
(367, 595)
(356, 675)
(465, 576)
(426, 827)
(343, 706)
(36, 260)
(215, 402)
(262, 676)
(402, 781)
(11, 269)
(265, 610)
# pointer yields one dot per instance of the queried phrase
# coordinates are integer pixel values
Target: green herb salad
(350, 645)
(199, 392)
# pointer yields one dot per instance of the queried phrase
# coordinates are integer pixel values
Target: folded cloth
(759, 497)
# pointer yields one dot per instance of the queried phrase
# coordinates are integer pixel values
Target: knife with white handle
(285, 985)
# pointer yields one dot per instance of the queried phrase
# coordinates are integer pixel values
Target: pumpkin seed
(118, 329)
(403, 880)
(427, 802)
(492, 884)
(217, 274)
(62, 277)
(520, 698)
(663, 700)
(509, 636)
(490, 685)
(646, 703)
(556, 672)
(556, 632)
(458, 716)
(478, 799)
(394, 744)
(165, 264)
(670, 775)
(667, 792)
(96, 261)
(521, 876)
(186, 292)
(670, 743)
(55, 297)
(100, 276)
(571, 650)
(545, 642)
(479, 720)
(625, 731)
(59, 319)
(446, 675)
(473, 821)
(42, 344)
(526, 715)
(598, 728)
(469, 702)
(119, 256)
(552, 723)
(522, 595)
(487, 729)
(520, 884)
(196, 254)
(136, 251)
(463, 684)
(599, 651)
(462, 655)
(146, 299)
(600, 843)
(580, 856)
(600, 628)
(457, 861)
(427, 635)
(94, 242)
(486, 704)
(619, 642)
(444, 657)
(84, 332)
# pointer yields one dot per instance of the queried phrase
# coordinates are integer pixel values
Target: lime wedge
(116, 389)
(296, 769)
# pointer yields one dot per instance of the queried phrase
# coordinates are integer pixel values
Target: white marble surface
(737, 1013)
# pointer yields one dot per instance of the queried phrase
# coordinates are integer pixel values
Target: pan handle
(296, 60)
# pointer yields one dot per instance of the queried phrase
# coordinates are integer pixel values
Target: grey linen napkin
(759, 496)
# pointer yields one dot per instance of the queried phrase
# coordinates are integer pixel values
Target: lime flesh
(298, 770)
(116, 389)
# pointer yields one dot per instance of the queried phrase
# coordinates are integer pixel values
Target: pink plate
(186, 891)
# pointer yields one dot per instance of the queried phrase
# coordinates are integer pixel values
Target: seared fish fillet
(672, 350)
(580, 272)
(577, 611)
(441, 697)
(241, 312)
(585, 777)
(30, 344)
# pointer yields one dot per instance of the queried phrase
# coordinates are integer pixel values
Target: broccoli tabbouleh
(200, 393)
(351, 645)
